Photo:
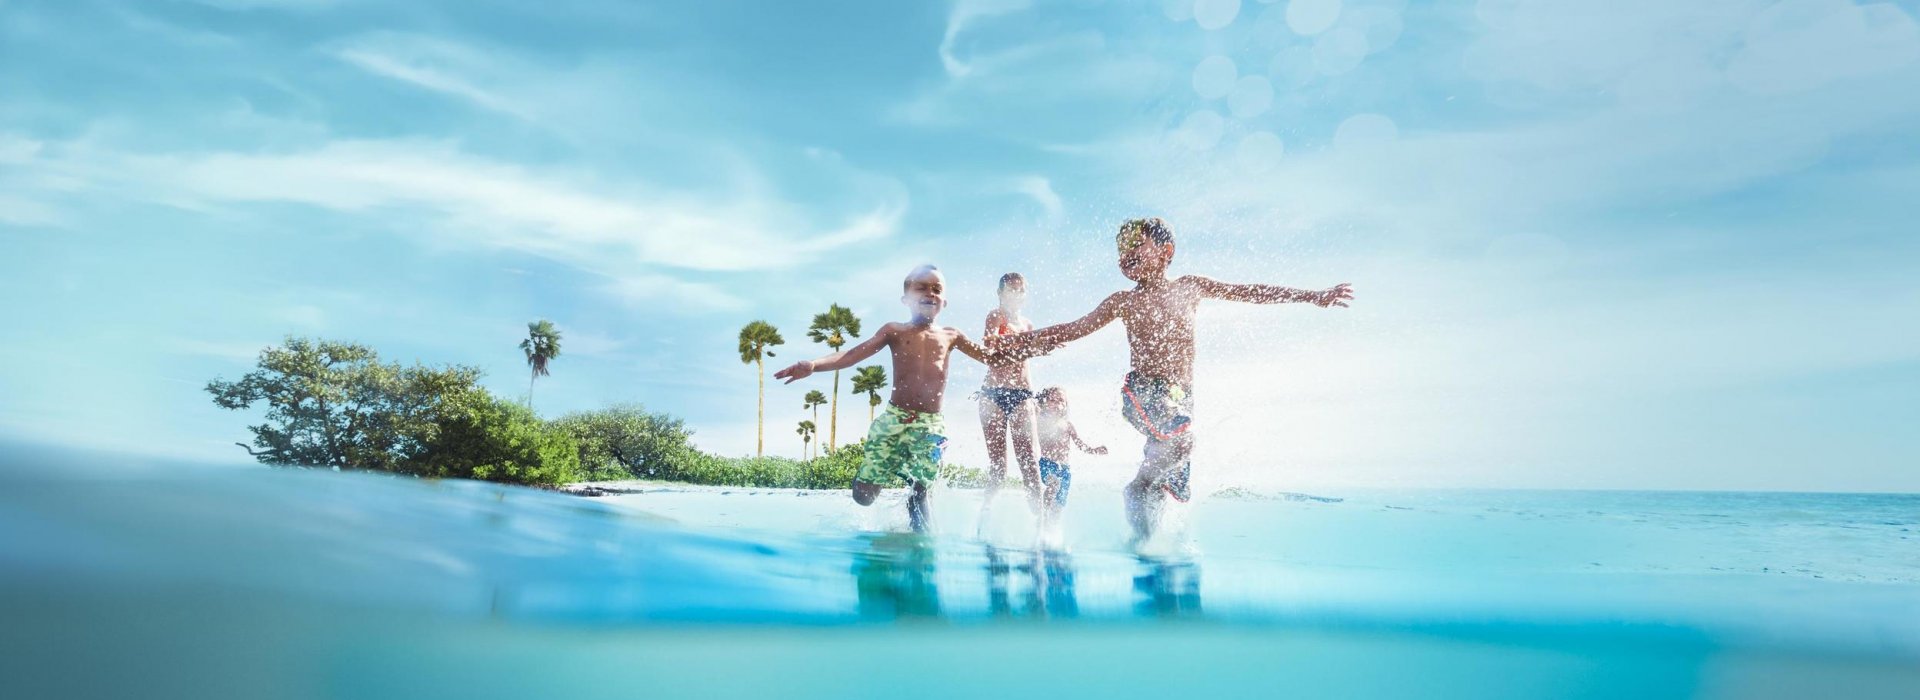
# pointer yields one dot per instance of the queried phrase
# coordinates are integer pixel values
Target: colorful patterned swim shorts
(903, 448)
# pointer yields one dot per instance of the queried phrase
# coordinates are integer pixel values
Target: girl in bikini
(1006, 411)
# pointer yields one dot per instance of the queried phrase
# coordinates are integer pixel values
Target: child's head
(925, 292)
(1052, 400)
(1013, 291)
(1146, 248)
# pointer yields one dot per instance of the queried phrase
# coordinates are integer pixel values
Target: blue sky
(1642, 244)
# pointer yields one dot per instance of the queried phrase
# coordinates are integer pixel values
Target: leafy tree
(806, 432)
(870, 380)
(626, 442)
(756, 339)
(497, 440)
(333, 404)
(541, 346)
(834, 328)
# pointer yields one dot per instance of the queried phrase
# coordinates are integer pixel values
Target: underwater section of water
(130, 578)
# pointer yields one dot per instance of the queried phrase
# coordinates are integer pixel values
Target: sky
(1632, 245)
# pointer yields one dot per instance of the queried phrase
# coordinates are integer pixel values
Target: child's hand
(1100, 450)
(795, 372)
(1339, 295)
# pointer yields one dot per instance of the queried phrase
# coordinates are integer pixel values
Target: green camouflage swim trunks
(903, 448)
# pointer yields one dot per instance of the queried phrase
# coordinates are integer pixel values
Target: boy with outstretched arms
(1157, 395)
(905, 443)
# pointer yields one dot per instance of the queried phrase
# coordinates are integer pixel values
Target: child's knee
(864, 493)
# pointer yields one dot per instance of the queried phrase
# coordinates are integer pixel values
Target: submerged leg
(917, 509)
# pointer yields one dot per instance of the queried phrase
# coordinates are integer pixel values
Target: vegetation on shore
(336, 405)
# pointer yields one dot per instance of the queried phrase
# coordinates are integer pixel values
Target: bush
(626, 442)
(497, 440)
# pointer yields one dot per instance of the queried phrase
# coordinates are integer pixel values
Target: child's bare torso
(1050, 431)
(921, 354)
(1159, 320)
(1007, 372)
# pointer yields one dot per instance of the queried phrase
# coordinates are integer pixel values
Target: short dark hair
(1050, 395)
(1010, 278)
(1133, 231)
(916, 272)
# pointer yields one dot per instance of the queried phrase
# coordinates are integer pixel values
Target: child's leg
(917, 508)
(1020, 428)
(993, 424)
(1144, 497)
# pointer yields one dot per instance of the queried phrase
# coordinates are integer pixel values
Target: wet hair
(1133, 231)
(1011, 278)
(1050, 396)
(916, 272)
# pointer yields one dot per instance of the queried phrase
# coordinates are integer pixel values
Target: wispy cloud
(628, 231)
(437, 65)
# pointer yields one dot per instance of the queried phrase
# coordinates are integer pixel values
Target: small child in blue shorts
(1055, 431)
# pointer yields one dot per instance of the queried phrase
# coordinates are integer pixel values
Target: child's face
(1145, 260)
(926, 295)
(1013, 296)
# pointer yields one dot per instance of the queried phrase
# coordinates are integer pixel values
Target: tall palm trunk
(816, 421)
(531, 376)
(760, 413)
(833, 416)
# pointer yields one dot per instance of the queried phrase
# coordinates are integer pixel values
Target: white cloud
(1041, 190)
(436, 65)
(965, 12)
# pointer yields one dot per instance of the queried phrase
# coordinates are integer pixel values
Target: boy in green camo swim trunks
(1159, 315)
(904, 446)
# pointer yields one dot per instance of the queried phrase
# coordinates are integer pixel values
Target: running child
(1157, 395)
(1006, 411)
(905, 443)
(1056, 432)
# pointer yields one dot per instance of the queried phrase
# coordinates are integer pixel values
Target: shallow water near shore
(128, 578)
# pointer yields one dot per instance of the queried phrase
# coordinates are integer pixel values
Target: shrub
(497, 440)
(626, 442)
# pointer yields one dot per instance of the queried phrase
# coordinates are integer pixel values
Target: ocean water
(128, 578)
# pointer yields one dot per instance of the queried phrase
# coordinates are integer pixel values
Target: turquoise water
(130, 578)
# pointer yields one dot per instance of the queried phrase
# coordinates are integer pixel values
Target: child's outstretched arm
(839, 360)
(994, 352)
(1210, 288)
(1046, 339)
(1074, 435)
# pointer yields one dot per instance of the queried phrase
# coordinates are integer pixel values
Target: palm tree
(870, 380)
(835, 328)
(814, 401)
(755, 340)
(806, 432)
(542, 345)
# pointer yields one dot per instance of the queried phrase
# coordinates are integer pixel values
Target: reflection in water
(898, 575)
(895, 577)
(1167, 588)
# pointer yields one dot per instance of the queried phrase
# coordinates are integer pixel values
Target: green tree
(870, 380)
(756, 339)
(498, 440)
(813, 401)
(806, 432)
(333, 404)
(834, 328)
(541, 346)
(626, 441)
